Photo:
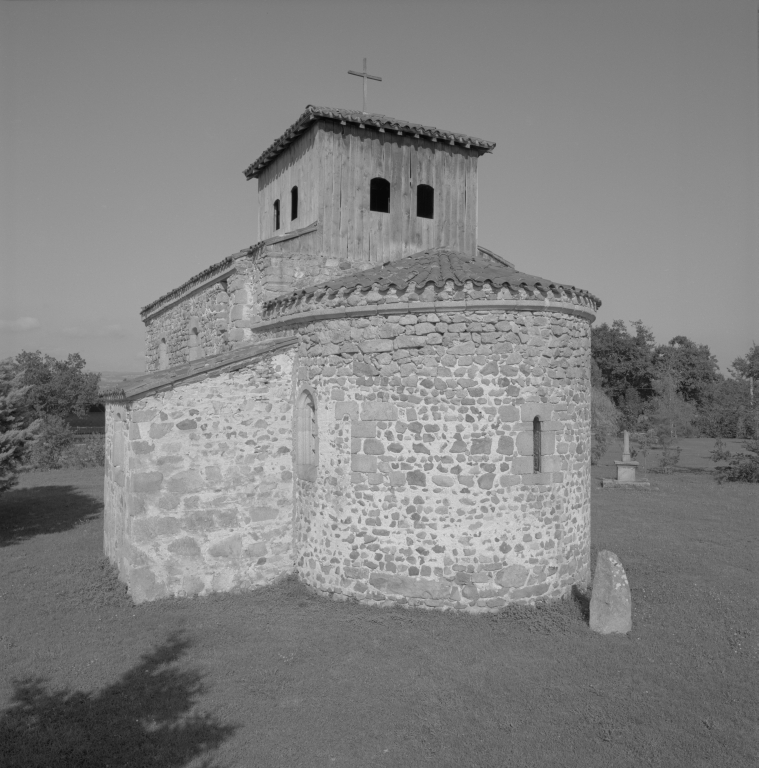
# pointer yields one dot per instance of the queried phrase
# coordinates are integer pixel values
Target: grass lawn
(281, 678)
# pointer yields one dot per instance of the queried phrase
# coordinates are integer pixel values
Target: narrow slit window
(425, 201)
(163, 355)
(276, 215)
(195, 348)
(379, 195)
(306, 450)
(537, 445)
(294, 203)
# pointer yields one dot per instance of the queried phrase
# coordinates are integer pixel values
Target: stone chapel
(366, 397)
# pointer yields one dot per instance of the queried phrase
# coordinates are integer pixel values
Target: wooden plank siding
(332, 165)
(293, 167)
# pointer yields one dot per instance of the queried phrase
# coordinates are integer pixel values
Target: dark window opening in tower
(425, 201)
(537, 445)
(379, 195)
(294, 203)
(276, 215)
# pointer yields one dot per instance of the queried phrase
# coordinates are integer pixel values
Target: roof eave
(371, 121)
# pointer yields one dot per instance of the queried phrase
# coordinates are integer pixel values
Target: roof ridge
(365, 119)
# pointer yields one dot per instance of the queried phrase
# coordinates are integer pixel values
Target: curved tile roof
(375, 121)
(437, 266)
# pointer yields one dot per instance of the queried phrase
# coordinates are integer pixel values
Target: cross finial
(366, 77)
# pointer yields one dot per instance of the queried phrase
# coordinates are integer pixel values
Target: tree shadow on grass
(145, 718)
(29, 512)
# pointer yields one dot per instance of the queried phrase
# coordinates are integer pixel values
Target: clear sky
(627, 159)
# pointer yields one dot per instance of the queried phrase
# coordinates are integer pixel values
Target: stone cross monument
(625, 469)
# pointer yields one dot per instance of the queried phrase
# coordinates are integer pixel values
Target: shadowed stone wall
(425, 490)
(199, 483)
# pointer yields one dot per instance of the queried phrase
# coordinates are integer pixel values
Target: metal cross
(366, 77)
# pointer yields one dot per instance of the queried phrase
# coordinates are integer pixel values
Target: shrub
(53, 437)
(56, 447)
(740, 467)
(87, 452)
(644, 443)
(670, 457)
(720, 452)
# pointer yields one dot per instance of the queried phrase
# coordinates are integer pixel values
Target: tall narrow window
(194, 348)
(379, 195)
(294, 203)
(306, 446)
(163, 355)
(276, 215)
(537, 445)
(425, 201)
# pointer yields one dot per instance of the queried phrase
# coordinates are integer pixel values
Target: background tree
(693, 366)
(623, 364)
(670, 414)
(14, 436)
(55, 387)
(729, 414)
(747, 368)
(746, 371)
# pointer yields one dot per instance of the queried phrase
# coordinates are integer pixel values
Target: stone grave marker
(610, 604)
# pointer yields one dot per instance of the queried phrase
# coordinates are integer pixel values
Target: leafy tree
(670, 414)
(747, 368)
(729, 413)
(625, 361)
(14, 436)
(55, 387)
(693, 367)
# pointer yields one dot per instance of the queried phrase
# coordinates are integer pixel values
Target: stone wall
(208, 309)
(425, 491)
(225, 311)
(199, 483)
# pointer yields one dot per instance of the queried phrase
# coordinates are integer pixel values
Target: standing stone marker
(610, 605)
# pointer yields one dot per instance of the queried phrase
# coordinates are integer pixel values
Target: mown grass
(281, 678)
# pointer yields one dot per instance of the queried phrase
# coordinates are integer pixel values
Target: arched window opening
(163, 355)
(425, 201)
(294, 203)
(537, 445)
(276, 215)
(306, 443)
(379, 195)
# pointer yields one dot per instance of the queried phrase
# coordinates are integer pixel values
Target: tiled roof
(372, 121)
(198, 369)
(437, 266)
(200, 278)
